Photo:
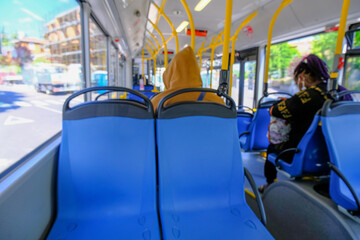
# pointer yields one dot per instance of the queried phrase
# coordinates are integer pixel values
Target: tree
(324, 47)
(280, 57)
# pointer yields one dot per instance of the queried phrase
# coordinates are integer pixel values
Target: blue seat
(341, 128)
(106, 185)
(243, 120)
(201, 176)
(255, 138)
(311, 155)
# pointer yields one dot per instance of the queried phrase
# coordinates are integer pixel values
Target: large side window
(97, 55)
(352, 69)
(39, 67)
(285, 56)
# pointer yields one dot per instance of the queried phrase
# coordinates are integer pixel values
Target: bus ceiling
(127, 21)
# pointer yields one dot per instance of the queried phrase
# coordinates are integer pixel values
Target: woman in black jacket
(298, 111)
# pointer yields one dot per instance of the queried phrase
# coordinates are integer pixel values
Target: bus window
(97, 55)
(236, 83)
(249, 86)
(39, 68)
(352, 76)
(285, 56)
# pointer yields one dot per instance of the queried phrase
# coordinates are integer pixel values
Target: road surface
(27, 119)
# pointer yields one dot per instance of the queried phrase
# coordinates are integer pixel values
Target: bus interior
(105, 164)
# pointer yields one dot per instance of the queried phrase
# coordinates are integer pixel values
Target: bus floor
(254, 162)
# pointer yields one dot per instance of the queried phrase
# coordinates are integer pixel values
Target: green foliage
(356, 43)
(324, 47)
(281, 56)
(5, 41)
(12, 68)
(41, 60)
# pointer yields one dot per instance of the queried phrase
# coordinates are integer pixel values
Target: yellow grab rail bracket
(233, 41)
(276, 14)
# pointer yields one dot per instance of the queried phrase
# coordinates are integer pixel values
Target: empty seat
(244, 119)
(255, 138)
(341, 128)
(311, 155)
(106, 185)
(201, 176)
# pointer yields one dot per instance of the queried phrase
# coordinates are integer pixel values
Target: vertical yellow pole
(339, 43)
(227, 29)
(154, 73)
(192, 26)
(211, 65)
(200, 50)
(232, 60)
(282, 5)
(142, 65)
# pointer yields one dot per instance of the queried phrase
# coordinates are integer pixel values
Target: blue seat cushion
(110, 227)
(225, 223)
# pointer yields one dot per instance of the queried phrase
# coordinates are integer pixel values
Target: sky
(30, 16)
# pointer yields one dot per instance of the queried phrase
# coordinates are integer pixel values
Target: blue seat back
(243, 121)
(313, 155)
(341, 128)
(257, 139)
(107, 161)
(200, 165)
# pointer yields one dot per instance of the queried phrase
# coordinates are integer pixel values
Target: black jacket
(299, 111)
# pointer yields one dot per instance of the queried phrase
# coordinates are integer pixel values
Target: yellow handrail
(282, 5)
(227, 29)
(153, 54)
(212, 60)
(157, 42)
(192, 26)
(154, 90)
(174, 33)
(153, 46)
(159, 15)
(150, 50)
(233, 39)
(199, 53)
(339, 42)
(163, 39)
(142, 66)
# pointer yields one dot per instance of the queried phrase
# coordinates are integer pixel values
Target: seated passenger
(312, 74)
(183, 72)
